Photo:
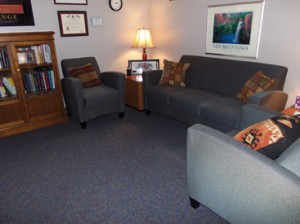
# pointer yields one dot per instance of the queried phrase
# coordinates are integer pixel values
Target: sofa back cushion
(226, 77)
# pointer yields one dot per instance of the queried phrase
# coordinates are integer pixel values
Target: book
(3, 92)
(25, 83)
(32, 83)
(8, 82)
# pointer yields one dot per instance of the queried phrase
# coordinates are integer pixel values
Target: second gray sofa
(210, 95)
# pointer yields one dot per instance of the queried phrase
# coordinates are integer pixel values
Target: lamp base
(144, 54)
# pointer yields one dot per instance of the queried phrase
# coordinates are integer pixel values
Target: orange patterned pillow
(257, 83)
(86, 74)
(271, 137)
(174, 73)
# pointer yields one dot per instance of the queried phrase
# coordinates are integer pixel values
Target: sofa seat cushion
(162, 93)
(223, 110)
(100, 95)
(191, 100)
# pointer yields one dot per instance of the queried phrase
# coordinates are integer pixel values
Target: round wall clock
(116, 5)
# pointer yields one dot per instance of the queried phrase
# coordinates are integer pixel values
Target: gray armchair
(239, 184)
(88, 103)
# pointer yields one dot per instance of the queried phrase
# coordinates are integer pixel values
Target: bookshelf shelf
(30, 92)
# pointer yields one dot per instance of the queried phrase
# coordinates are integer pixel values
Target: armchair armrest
(239, 184)
(151, 77)
(73, 95)
(273, 99)
(115, 80)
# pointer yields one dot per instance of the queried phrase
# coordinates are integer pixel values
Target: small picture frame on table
(138, 66)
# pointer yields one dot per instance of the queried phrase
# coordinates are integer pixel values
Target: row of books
(39, 81)
(7, 87)
(4, 60)
(42, 52)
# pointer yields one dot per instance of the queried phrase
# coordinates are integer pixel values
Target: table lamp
(143, 40)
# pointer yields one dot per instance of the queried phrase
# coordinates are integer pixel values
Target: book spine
(2, 90)
(8, 86)
(6, 59)
(46, 77)
(53, 79)
(41, 81)
(29, 85)
(36, 83)
(32, 84)
(12, 83)
(25, 83)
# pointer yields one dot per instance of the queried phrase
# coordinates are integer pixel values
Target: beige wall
(110, 44)
(178, 27)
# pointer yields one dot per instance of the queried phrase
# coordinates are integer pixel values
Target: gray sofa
(210, 94)
(239, 184)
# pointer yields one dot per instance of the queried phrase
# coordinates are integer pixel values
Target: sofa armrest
(151, 77)
(239, 184)
(272, 99)
(253, 113)
(73, 95)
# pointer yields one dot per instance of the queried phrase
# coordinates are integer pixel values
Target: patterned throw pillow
(86, 74)
(174, 73)
(272, 136)
(257, 83)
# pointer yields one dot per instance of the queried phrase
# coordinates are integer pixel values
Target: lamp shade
(143, 39)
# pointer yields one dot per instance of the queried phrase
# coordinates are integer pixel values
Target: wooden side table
(291, 110)
(134, 95)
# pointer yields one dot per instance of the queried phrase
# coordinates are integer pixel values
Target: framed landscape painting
(234, 29)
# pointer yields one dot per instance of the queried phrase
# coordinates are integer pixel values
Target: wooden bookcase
(30, 92)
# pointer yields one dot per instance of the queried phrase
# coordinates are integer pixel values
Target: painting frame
(73, 23)
(138, 66)
(234, 29)
(71, 2)
(16, 13)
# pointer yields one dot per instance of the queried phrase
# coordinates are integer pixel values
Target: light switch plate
(97, 21)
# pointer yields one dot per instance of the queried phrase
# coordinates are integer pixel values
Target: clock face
(115, 5)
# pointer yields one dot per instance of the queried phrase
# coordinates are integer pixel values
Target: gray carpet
(130, 170)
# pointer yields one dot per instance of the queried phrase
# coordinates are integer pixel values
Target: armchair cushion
(271, 137)
(259, 82)
(174, 73)
(100, 95)
(86, 74)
